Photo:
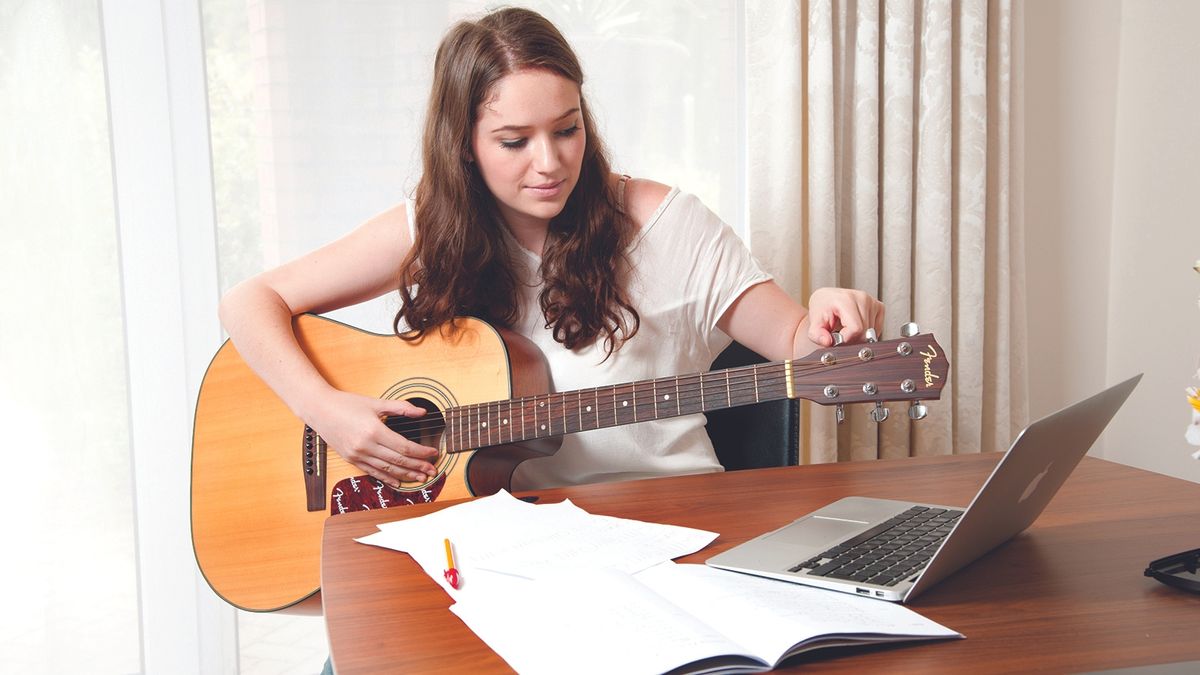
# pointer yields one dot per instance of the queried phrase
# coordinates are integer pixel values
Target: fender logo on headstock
(929, 357)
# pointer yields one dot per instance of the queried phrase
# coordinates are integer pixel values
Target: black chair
(754, 436)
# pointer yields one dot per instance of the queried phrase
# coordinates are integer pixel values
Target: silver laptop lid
(1022, 484)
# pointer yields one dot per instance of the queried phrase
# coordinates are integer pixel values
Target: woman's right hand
(352, 425)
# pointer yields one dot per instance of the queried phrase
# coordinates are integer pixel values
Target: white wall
(1112, 162)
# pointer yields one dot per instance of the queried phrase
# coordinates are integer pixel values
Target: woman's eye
(568, 132)
(513, 145)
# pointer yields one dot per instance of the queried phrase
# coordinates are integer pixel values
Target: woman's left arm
(767, 320)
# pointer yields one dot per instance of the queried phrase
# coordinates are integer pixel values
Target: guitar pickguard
(364, 493)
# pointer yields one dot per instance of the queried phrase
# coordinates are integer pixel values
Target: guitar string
(742, 380)
(746, 381)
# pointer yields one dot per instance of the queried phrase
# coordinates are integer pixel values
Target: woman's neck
(530, 233)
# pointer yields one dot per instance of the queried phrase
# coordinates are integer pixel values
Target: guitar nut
(870, 389)
(828, 358)
(903, 349)
(831, 391)
(866, 354)
(908, 386)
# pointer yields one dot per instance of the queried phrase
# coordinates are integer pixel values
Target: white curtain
(154, 153)
(882, 157)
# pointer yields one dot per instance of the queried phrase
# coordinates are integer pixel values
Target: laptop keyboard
(888, 553)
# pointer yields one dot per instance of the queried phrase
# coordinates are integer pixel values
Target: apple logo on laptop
(1034, 483)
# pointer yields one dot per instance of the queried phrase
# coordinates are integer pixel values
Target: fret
(508, 421)
(705, 402)
(728, 394)
(485, 432)
(533, 432)
(646, 401)
(579, 402)
(545, 424)
(754, 370)
(678, 397)
(466, 427)
(685, 394)
(623, 412)
(524, 430)
(664, 406)
(565, 415)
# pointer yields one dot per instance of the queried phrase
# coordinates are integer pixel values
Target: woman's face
(528, 143)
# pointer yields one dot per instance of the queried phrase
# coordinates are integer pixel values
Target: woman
(518, 219)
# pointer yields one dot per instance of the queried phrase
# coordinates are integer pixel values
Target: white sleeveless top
(689, 268)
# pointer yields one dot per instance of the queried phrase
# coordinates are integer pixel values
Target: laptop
(893, 550)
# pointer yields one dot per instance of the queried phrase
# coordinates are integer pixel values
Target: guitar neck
(512, 421)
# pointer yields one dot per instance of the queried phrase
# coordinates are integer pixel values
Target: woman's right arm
(257, 314)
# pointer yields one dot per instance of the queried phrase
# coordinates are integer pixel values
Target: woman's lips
(546, 189)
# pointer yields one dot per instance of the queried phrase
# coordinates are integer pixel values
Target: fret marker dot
(589, 408)
(504, 421)
(482, 424)
(543, 426)
(542, 404)
(666, 397)
(624, 403)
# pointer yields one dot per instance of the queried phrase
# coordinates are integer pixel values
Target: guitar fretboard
(521, 419)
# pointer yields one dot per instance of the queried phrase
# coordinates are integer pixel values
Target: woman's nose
(545, 155)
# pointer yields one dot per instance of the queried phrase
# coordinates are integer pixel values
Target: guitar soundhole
(425, 430)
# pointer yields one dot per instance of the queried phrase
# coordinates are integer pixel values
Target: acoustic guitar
(263, 482)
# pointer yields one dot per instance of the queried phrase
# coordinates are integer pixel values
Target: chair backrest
(754, 436)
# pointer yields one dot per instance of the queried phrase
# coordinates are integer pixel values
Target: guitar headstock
(911, 368)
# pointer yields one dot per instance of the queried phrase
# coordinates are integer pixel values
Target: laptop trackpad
(816, 530)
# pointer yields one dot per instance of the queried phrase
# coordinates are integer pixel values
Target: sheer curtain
(153, 154)
(316, 110)
(70, 534)
(883, 156)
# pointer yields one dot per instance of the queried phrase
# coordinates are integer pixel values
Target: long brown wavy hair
(460, 263)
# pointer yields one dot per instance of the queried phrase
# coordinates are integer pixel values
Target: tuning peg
(839, 413)
(917, 410)
(837, 338)
(871, 335)
(880, 413)
(909, 329)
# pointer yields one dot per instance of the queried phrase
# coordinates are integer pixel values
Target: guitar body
(263, 483)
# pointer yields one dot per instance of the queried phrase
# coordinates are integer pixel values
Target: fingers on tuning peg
(909, 329)
(837, 338)
(871, 335)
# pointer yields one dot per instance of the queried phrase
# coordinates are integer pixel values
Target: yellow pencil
(452, 575)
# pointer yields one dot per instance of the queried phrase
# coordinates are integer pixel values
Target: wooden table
(1068, 595)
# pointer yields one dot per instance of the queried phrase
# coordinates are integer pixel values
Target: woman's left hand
(842, 310)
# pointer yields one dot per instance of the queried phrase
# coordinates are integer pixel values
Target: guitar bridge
(312, 457)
